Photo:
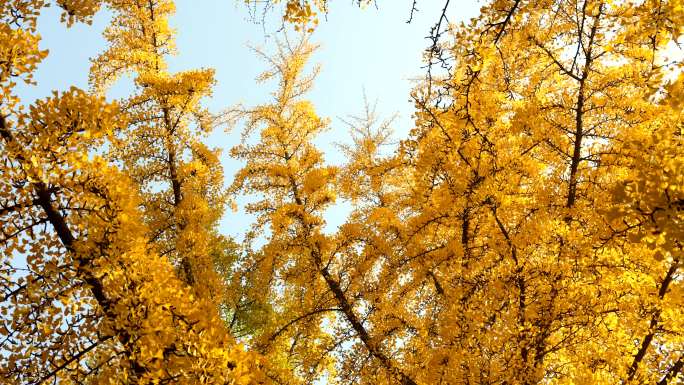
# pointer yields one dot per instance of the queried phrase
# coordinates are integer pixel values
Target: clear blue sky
(371, 49)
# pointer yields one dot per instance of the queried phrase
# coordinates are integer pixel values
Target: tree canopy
(528, 230)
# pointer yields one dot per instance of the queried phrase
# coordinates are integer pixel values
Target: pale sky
(372, 49)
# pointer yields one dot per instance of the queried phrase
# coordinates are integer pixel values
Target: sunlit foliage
(528, 230)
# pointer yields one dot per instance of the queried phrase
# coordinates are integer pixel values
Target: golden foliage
(87, 295)
(528, 230)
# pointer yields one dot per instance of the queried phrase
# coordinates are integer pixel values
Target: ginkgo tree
(534, 135)
(528, 230)
(179, 177)
(315, 279)
(97, 300)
